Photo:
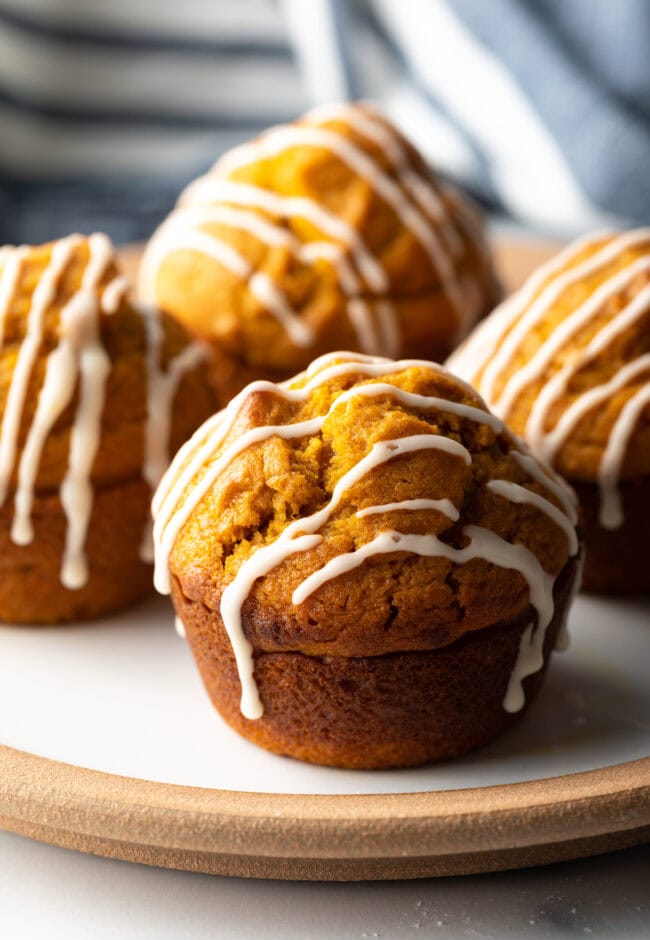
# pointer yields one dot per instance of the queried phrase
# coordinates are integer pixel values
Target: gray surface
(52, 893)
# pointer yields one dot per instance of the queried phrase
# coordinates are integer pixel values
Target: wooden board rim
(40, 796)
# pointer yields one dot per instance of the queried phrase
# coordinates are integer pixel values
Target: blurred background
(540, 108)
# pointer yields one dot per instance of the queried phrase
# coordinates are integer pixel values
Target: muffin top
(330, 231)
(365, 507)
(566, 362)
(87, 380)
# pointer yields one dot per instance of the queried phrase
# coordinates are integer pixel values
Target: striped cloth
(540, 107)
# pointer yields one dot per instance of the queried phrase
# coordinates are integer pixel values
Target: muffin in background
(371, 570)
(95, 395)
(566, 363)
(324, 234)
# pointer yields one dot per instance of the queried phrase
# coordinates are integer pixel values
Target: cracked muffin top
(324, 234)
(366, 506)
(566, 362)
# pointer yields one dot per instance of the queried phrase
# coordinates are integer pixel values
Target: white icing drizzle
(42, 298)
(582, 316)
(445, 506)
(540, 306)
(480, 346)
(541, 473)
(530, 659)
(173, 503)
(525, 311)
(170, 517)
(520, 494)
(114, 293)
(413, 197)
(368, 123)
(483, 544)
(179, 626)
(161, 390)
(530, 655)
(269, 295)
(78, 329)
(611, 508)
(209, 189)
(79, 361)
(178, 232)
(93, 366)
(299, 536)
(279, 139)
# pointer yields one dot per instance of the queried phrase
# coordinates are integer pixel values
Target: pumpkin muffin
(370, 569)
(328, 233)
(566, 362)
(94, 392)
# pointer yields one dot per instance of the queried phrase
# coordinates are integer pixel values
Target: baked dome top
(566, 362)
(328, 231)
(88, 380)
(367, 506)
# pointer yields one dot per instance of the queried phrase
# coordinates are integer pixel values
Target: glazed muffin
(566, 362)
(325, 234)
(370, 569)
(94, 392)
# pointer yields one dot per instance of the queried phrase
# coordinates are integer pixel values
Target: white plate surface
(122, 695)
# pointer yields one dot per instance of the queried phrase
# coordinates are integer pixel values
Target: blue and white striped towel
(540, 107)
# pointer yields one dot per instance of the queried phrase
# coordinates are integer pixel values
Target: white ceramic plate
(122, 695)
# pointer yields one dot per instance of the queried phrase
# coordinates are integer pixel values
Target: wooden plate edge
(144, 820)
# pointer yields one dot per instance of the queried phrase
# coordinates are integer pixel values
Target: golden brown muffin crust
(391, 603)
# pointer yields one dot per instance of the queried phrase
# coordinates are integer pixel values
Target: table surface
(53, 893)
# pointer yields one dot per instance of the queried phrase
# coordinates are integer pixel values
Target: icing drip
(519, 494)
(94, 366)
(161, 391)
(79, 355)
(611, 508)
(535, 468)
(482, 357)
(530, 655)
(445, 506)
(290, 542)
(42, 298)
(530, 660)
(260, 285)
(179, 626)
(173, 503)
(113, 294)
(217, 199)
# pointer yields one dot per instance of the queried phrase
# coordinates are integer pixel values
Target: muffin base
(394, 710)
(616, 560)
(30, 576)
